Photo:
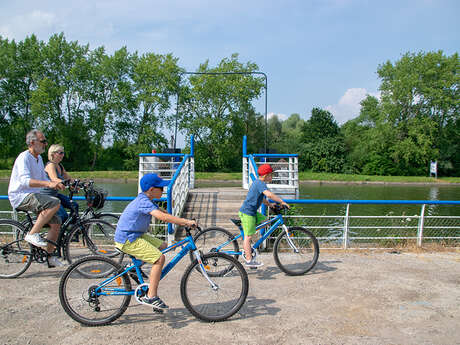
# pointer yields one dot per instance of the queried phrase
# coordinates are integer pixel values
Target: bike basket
(95, 198)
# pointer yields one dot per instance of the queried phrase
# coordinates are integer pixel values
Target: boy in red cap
(248, 211)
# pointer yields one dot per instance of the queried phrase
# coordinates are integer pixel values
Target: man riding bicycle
(27, 179)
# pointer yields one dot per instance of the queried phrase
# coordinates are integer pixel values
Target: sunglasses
(60, 153)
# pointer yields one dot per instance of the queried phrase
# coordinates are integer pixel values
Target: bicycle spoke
(297, 254)
(80, 295)
(218, 304)
(15, 252)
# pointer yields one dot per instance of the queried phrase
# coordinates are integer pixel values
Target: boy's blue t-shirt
(254, 198)
(135, 219)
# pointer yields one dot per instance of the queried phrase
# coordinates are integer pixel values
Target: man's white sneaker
(36, 240)
(55, 262)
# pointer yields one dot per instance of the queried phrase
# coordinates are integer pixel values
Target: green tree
(155, 81)
(20, 66)
(415, 120)
(218, 110)
(323, 148)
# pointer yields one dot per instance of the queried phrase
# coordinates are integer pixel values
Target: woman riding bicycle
(56, 172)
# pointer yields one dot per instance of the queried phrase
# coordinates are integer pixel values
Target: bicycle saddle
(237, 222)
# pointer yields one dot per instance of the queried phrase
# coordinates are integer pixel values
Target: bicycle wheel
(208, 240)
(15, 252)
(108, 217)
(91, 237)
(210, 304)
(300, 260)
(83, 298)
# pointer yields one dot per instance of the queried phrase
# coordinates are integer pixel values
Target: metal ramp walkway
(214, 206)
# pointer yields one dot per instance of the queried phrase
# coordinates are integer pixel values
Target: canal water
(323, 191)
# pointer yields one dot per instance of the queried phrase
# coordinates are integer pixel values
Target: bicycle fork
(291, 244)
(203, 270)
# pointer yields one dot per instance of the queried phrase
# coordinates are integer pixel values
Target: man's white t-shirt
(25, 168)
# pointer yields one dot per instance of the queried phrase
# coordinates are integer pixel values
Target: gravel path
(350, 298)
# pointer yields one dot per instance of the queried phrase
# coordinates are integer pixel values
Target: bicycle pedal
(158, 311)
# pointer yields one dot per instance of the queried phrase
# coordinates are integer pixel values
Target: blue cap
(152, 180)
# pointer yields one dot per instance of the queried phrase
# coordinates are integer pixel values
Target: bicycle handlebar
(277, 208)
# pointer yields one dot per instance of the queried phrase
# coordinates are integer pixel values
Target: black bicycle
(80, 236)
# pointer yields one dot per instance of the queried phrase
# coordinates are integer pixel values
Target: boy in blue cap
(132, 238)
(248, 211)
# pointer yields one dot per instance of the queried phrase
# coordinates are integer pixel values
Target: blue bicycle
(295, 249)
(96, 290)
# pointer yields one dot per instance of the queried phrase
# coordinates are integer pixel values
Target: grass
(303, 176)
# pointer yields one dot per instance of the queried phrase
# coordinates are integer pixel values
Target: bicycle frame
(276, 222)
(187, 245)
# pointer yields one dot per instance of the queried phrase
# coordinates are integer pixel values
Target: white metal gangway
(179, 168)
(285, 181)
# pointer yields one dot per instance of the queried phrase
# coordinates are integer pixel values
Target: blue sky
(315, 53)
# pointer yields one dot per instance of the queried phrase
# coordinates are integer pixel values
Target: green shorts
(249, 222)
(144, 248)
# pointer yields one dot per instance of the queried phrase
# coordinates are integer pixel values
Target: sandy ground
(350, 298)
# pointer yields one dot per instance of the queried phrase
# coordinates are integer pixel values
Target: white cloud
(18, 27)
(281, 117)
(348, 106)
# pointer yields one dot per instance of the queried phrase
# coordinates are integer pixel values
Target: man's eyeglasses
(44, 141)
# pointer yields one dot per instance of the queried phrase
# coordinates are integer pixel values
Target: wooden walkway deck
(215, 206)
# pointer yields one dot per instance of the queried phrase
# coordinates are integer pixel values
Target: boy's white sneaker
(55, 262)
(253, 263)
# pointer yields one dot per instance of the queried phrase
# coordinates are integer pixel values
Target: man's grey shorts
(36, 202)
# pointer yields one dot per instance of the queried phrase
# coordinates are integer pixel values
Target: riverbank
(236, 177)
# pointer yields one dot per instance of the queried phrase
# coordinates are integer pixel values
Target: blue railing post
(192, 145)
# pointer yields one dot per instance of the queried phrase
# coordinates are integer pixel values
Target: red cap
(264, 170)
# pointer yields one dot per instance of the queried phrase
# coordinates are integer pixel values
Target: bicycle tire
(15, 252)
(199, 297)
(77, 292)
(308, 254)
(95, 237)
(108, 217)
(207, 239)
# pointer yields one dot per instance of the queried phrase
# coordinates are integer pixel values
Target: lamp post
(224, 73)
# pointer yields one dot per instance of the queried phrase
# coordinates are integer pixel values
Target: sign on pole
(434, 169)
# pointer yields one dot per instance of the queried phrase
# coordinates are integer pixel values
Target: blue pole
(245, 146)
(192, 145)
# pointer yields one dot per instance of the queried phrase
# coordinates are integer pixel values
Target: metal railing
(157, 228)
(285, 180)
(386, 231)
(354, 231)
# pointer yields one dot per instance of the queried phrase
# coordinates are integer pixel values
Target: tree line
(107, 108)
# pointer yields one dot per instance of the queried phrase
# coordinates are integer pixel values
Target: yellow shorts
(144, 248)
